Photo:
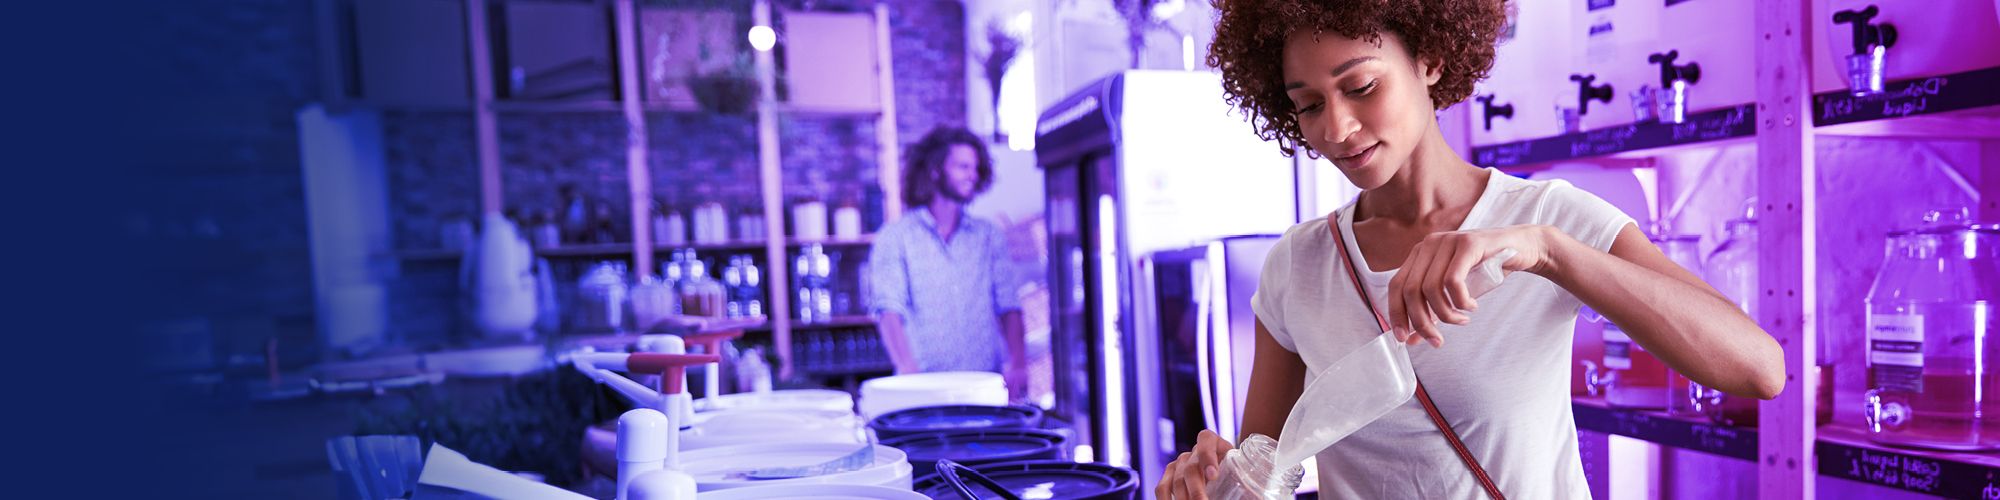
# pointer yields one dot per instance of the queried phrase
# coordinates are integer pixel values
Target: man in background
(940, 279)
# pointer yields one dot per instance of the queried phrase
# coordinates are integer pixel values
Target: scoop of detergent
(860, 459)
(1356, 390)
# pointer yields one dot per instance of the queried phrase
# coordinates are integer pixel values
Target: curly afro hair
(1250, 39)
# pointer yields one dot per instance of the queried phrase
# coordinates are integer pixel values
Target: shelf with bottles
(840, 351)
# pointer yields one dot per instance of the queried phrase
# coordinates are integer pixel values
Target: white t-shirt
(1502, 381)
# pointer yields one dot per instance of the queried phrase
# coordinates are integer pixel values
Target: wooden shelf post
(1788, 232)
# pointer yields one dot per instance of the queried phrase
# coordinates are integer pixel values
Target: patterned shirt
(950, 293)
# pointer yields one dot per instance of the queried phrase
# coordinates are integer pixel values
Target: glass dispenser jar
(1930, 313)
(1684, 250)
(1732, 269)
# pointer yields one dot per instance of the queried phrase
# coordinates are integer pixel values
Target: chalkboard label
(1714, 125)
(1909, 472)
(1971, 89)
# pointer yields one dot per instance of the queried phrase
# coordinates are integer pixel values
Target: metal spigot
(1670, 102)
(1491, 111)
(1585, 92)
(1865, 67)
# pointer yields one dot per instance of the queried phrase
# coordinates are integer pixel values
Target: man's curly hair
(1250, 40)
(924, 164)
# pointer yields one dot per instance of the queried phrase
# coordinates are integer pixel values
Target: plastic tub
(800, 399)
(1043, 479)
(814, 492)
(887, 394)
(927, 419)
(978, 447)
(713, 468)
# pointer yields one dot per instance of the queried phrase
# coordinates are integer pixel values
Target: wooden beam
(1787, 231)
(889, 151)
(485, 125)
(777, 277)
(631, 97)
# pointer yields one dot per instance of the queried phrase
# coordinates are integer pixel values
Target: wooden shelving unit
(620, 250)
(1782, 123)
(487, 109)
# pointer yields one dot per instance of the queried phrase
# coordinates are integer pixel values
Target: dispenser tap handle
(672, 368)
(1866, 33)
(1585, 92)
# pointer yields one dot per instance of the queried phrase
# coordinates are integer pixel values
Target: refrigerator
(1205, 338)
(1137, 163)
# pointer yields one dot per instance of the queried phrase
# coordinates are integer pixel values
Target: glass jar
(601, 299)
(653, 300)
(1629, 377)
(1732, 269)
(1929, 313)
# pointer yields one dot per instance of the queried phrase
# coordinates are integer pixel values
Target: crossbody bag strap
(1423, 396)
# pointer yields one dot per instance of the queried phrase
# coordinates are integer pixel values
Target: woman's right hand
(1187, 477)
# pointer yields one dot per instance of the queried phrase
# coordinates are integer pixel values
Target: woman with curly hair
(1359, 82)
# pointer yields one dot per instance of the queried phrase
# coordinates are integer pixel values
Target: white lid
(815, 492)
(642, 435)
(929, 382)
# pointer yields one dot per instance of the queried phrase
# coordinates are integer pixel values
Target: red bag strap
(1423, 396)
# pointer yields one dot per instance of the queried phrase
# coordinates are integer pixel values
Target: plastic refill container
(1250, 472)
(1044, 479)
(977, 447)
(727, 467)
(814, 492)
(929, 419)
(1931, 313)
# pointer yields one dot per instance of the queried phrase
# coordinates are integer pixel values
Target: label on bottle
(1896, 351)
(1617, 348)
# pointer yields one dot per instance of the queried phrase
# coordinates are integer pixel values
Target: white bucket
(740, 427)
(815, 492)
(712, 467)
(800, 399)
(888, 394)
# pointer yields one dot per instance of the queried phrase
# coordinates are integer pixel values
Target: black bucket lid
(976, 447)
(1044, 479)
(955, 418)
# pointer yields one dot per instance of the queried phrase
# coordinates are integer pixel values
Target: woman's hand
(1187, 477)
(1431, 285)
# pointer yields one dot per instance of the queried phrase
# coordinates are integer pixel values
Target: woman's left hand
(1431, 285)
